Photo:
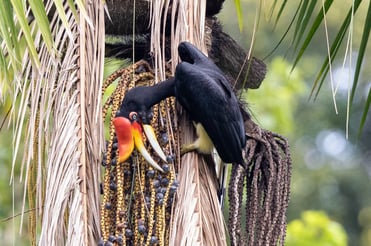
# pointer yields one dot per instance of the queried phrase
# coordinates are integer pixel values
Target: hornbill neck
(141, 99)
(160, 91)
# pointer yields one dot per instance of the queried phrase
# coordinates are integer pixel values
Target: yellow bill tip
(138, 141)
(151, 136)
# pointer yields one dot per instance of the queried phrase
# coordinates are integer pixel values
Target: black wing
(204, 94)
(190, 54)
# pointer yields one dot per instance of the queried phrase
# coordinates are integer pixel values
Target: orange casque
(125, 138)
(129, 135)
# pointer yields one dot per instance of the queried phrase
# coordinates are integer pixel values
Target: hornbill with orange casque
(204, 92)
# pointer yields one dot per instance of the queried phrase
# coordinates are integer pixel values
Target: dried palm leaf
(60, 89)
(187, 23)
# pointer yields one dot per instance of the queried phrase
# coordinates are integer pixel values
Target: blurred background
(330, 189)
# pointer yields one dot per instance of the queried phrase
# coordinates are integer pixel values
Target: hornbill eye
(133, 116)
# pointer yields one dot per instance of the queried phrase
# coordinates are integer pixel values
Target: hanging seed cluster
(267, 185)
(137, 199)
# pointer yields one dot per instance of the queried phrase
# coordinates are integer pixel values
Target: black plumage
(141, 99)
(205, 93)
(202, 89)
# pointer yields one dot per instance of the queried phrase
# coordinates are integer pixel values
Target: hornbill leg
(202, 144)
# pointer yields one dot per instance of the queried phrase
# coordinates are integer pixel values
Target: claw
(202, 144)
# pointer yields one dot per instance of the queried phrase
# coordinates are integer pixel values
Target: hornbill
(204, 92)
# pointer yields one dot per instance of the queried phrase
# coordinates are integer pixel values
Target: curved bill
(151, 136)
(138, 141)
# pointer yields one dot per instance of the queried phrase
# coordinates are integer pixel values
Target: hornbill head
(131, 120)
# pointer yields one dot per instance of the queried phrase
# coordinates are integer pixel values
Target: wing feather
(210, 101)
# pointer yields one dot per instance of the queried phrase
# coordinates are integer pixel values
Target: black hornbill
(204, 92)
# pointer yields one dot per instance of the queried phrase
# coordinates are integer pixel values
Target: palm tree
(52, 58)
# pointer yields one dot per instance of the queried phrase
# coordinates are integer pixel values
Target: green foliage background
(315, 228)
(331, 174)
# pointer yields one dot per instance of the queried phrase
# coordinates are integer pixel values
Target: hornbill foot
(188, 148)
(202, 144)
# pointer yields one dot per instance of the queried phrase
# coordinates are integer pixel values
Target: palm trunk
(197, 216)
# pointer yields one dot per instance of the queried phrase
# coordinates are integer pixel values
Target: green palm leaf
(313, 29)
(237, 4)
(334, 50)
(63, 17)
(38, 9)
(26, 30)
(4, 74)
(7, 27)
(305, 12)
(360, 58)
(280, 11)
(365, 113)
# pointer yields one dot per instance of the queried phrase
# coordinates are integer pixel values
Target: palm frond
(58, 79)
(42, 21)
(113, 64)
(237, 4)
(321, 76)
(187, 23)
(20, 12)
(10, 53)
(360, 58)
(365, 113)
(304, 13)
(312, 30)
(303, 37)
(280, 11)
